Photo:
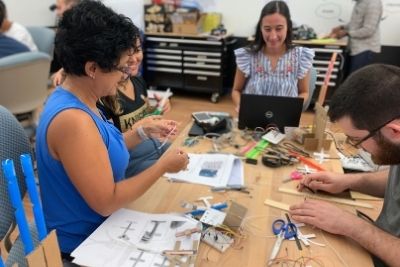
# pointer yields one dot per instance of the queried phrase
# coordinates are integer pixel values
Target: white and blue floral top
(282, 81)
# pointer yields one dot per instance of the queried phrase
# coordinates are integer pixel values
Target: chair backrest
(311, 88)
(14, 142)
(23, 81)
(43, 38)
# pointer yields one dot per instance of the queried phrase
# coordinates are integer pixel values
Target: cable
(333, 249)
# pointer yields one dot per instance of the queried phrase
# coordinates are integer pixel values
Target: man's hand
(323, 215)
(326, 181)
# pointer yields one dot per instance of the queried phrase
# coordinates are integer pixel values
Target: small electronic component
(273, 136)
(204, 118)
(216, 239)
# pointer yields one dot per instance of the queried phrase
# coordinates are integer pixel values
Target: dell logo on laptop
(269, 114)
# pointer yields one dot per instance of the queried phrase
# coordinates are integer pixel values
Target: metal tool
(282, 230)
(276, 157)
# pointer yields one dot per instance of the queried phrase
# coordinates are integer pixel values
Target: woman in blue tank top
(81, 156)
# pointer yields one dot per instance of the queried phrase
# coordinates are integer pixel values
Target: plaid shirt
(363, 28)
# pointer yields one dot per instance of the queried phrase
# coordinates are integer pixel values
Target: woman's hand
(167, 104)
(58, 77)
(174, 160)
(157, 127)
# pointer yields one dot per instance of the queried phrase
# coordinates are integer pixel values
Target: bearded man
(367, 108)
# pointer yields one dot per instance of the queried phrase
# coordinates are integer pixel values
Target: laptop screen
(269, 111)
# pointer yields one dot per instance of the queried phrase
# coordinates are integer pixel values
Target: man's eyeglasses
(357, 143)
(126, 72)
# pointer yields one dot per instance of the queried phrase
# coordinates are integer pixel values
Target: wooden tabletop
(255, 248)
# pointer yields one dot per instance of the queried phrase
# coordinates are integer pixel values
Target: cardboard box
(186, 22)
(185, 28)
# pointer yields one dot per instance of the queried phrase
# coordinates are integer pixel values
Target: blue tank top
(64, 208)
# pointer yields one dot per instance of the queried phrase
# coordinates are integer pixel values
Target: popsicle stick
(275, 204)
(327, 198)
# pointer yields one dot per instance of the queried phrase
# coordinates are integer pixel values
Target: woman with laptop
(271, 65)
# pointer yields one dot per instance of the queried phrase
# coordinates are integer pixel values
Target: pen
(27, 168)
(15, 197)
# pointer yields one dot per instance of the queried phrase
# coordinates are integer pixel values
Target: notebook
(262, 111)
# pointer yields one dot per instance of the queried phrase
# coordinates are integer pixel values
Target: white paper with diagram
(217, 170)
(131, 238)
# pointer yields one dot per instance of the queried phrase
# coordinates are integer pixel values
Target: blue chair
(311, 89)
(43, 38)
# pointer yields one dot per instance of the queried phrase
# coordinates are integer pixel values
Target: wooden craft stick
(327, 198)
(275, 204)
(358, 195)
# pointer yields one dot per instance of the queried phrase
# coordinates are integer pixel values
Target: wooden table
(255, 249)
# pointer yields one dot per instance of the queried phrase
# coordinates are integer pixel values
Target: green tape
(255, 151)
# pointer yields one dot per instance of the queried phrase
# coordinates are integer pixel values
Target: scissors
(282, 230)
(294, 175)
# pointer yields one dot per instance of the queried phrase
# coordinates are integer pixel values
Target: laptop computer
(262, 111)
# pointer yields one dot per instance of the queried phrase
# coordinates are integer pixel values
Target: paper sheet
(131, 238)
(216, 170)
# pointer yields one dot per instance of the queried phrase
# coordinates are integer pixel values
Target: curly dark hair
(369, 97)
(90, 31)
(271, 8)
(3, 12)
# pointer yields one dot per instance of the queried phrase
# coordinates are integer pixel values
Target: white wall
(239, 16)
(31, 12)
(37, 13)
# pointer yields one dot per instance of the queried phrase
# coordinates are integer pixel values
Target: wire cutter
(282, 230)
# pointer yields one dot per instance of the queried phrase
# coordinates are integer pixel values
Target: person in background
(60, 7)
(270, 65)
(9, 46)
(130, 109)
(363, 32)
(81, 156)
(375, 127)
(15, 30)
(63, 5)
